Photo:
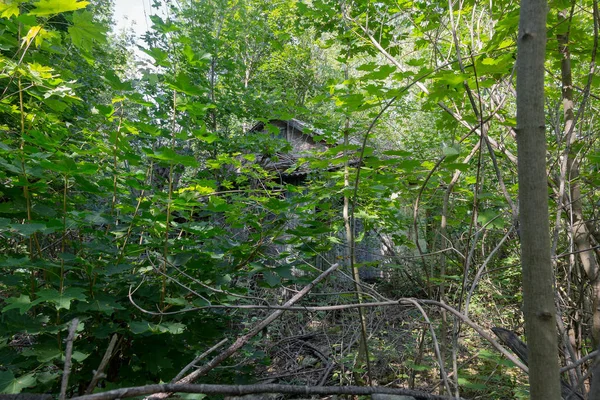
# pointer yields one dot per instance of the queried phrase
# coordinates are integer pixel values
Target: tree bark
(538, 278)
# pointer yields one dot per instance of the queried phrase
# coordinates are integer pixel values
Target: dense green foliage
(134, 198)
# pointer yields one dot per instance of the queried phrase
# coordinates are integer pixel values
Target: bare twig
(435, 344)
(242, 340)
(482, 268)
(404, 301)
(68, 356)
(99, 374)
(200, 357)
(480, 331)
(579, 362)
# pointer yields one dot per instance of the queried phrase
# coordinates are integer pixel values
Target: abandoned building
(303, 141)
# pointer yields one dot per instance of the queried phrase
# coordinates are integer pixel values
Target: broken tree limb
(240, 390)
(99, 373)
(196, 360)
(512, 341)
(242, 340)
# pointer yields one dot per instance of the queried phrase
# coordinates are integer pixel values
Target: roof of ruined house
(290, 164)
(294, 123)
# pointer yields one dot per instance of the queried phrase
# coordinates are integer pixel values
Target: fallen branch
(388, 303)
(196, 360)
(511, 339)
(242, 340)
(240, 390)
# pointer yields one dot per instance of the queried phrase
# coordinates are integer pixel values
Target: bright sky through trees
(132, 14)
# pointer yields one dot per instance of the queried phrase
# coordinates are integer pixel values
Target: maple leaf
(49, 7)
(84, 31)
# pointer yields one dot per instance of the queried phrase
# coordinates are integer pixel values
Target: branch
(254, 389)
(197, 359)
(435, 344)
(242, 340)
(99, 374)
(68, 354)
(579, 362)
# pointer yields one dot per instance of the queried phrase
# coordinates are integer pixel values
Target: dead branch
(197, 359)
(511, 339)
(99, 374)
(435, 344)
(579, 362)
(242, 340)
(287, 307)
(240, 390)
(68, 356)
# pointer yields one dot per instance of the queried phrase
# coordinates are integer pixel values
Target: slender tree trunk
(349, 224)
(538, 278)
(573, 204)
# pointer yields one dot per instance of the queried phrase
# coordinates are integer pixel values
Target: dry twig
(242, 340)
(99, 373)
(68, 357)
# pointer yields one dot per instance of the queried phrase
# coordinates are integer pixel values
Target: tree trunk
(573, 204)
(538, 278)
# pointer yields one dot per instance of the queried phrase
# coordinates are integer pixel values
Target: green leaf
(139, 327)
(271, 278)
(102, 302)
(418, 367)
(79, 356)
(11, 385)
(456, 166)
(174, 328)
(115, 82)
(9, 8)
(451, 78)
(381, 73)
(370, 66)
(31, 228)
(22, 303)
(451, 151)
(49, 7)
(176, 301)
(43, 354)
(192, 56)
(160, 56)
(490, 218)
(84, 31)
(60, 300)
(169, 155)
(471, 385)
(204, 135)
(500, 65)
(47, 376)
(184, 84)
